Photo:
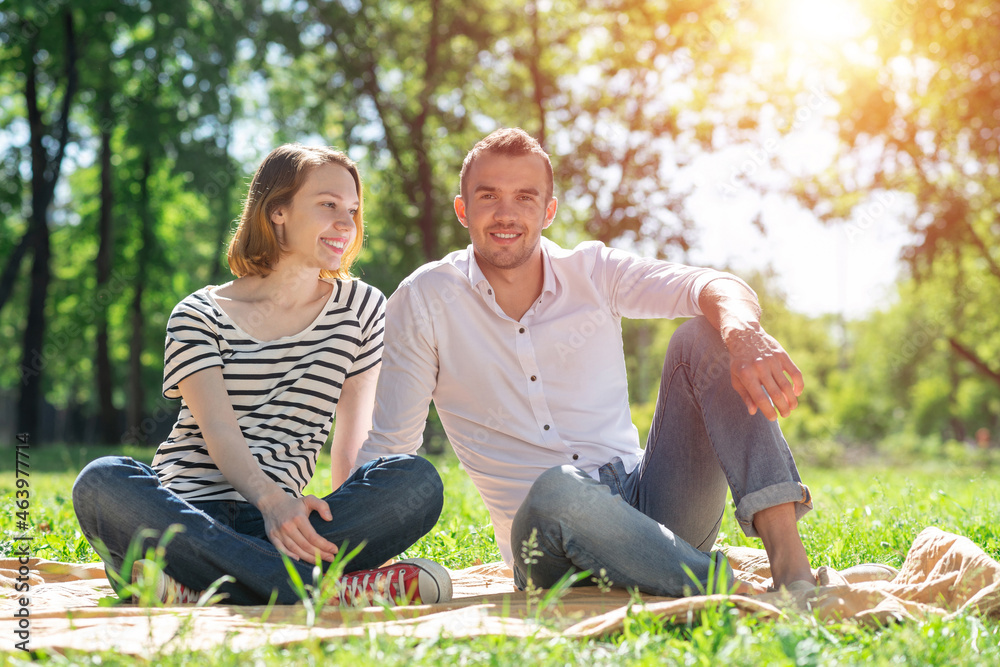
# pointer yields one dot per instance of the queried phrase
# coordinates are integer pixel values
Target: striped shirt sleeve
(192, 343)
(371, 316)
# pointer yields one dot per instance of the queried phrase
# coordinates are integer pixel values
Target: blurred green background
(130, 128)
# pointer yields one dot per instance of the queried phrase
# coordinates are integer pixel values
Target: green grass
(864, 513)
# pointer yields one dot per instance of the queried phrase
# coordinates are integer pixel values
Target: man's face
(505, 206)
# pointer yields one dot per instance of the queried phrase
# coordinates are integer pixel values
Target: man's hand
(286, 522)
(762, 373)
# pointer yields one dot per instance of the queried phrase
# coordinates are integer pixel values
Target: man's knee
(425, 488)
(554, 489)
(698, 333)
(698, 344)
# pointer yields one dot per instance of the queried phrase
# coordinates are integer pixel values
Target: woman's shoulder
(199, 304)
(355, 294)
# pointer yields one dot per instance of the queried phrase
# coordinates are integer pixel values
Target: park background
(842, 156)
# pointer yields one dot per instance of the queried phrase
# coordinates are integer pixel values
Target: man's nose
(504, 210)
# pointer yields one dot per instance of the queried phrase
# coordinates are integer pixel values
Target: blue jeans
(388, 503)
(644, 528)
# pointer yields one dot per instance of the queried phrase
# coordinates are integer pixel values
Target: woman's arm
(286, 518)
(354, 420)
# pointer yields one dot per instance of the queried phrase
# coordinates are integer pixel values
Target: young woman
(261, 364)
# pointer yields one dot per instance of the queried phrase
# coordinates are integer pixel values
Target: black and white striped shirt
(284, 391)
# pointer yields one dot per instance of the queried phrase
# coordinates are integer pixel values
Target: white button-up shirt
(519, 397)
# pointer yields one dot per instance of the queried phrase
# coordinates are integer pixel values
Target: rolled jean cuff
(772, 496)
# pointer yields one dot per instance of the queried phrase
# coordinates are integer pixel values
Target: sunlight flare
(827, 21)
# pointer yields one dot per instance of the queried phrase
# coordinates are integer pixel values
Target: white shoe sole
(434, 581)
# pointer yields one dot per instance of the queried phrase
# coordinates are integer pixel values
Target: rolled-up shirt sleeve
(407, 380)
(644, 288)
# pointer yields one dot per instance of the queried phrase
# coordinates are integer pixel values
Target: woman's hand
(286, 522)
(286, 518)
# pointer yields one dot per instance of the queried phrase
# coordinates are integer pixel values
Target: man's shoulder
(452, 268)
(584, 256)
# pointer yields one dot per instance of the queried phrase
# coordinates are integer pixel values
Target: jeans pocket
(613, 476)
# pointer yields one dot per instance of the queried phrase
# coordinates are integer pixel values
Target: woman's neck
(287, 286)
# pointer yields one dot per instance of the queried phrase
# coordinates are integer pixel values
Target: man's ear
(550, 212)
(460, 210)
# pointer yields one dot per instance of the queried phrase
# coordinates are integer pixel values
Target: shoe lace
(180, 593)
(367, 587)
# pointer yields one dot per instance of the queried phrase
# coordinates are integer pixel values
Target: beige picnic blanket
(943, 575)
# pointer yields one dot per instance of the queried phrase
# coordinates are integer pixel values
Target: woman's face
(317, 226)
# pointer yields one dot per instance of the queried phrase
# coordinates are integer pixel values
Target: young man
(518, 342)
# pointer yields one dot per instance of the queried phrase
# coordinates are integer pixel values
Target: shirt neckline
(476, 275)
(312, 325)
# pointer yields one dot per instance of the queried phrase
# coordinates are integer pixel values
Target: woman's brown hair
(254, 249)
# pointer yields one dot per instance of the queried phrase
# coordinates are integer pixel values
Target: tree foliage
(919, 128)
(124, 153)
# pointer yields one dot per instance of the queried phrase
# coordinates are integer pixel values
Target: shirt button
(533, 378)
(576, 456)
(521, 330)
(489, 291)
(546, 427)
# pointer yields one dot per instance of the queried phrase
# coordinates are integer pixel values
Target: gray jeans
(653, 529)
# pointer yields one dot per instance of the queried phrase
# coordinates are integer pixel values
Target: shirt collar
(476, 277)
(549, 284)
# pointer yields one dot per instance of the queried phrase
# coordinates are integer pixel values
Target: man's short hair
(508, 142)
(254, 248)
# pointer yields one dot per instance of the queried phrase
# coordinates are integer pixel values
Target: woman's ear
(278, 218)
(278, 215)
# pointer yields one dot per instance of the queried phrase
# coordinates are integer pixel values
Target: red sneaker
(413, 581)
(165, 588)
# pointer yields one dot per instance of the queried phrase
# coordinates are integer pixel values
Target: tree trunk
(136, 394)
(535, 67)
(45, 171)
(429, 221)
(13, 267)
(225, 222)
(225, 199)
(105, 254)
(33, 360)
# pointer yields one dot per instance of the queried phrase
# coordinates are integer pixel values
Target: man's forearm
(729, 305)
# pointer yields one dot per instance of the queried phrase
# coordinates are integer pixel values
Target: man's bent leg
(702, 440)
(578, 524)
